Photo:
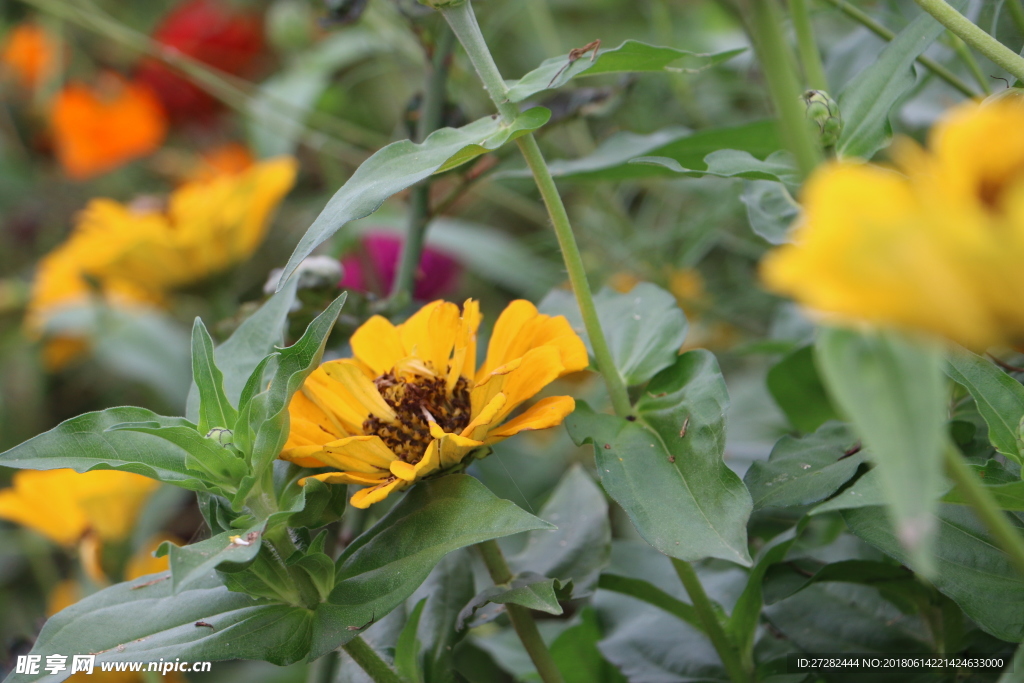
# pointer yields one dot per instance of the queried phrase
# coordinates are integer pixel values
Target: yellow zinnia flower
(135, 254)
(412, 403)
(935, 245)
(66, 506)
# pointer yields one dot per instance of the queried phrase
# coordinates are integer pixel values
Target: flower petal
(546, 413)
(503, 344)
(486, 417)
(378, 344)
(364, 498)
(359, 453)
(348, 478)
(360, 388)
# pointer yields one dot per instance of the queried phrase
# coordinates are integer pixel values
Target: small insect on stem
(686, 423)
(373, 618)
(200, 624)
(575, 54)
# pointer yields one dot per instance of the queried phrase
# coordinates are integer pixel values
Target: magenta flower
(372, 266)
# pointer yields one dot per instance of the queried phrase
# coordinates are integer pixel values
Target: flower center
(415, 402)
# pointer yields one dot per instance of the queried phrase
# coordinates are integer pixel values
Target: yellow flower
(135, 254)
(65, 506)
(936, 245)
(412, 403)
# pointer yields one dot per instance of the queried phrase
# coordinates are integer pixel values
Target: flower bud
(823, 111)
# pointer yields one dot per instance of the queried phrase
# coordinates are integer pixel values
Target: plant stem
(370, 662)
(775, 58)
(1006, 535)
(1016, 13)
(967, 58)
(522, 620)
(810, 58)
(885, 33)
(431, 115)
(709, 619)
(960, 25)
(463, 22)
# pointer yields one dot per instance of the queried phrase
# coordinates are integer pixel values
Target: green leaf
(529, 589)
(610, 161)
(971, 570)
(644, 327)
(84, 443)
(231, 550)
(771, 210)
(384, 565)
(734, 163)
(143, 620)
(894, 393)
(318, 565)
(797, 389)
(806, 470)
(215, 410)
(248, 346)
(631, 56)
(403, 164)
(408, 648)
(1000, 399)
(447, 590)
(786, 581)
(869, 98)
(666, 468)
(652, 595)
(581, 545)
(223, 468)
(263, 423)
(577, 656)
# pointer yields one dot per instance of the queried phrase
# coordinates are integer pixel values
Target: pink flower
(372, 266)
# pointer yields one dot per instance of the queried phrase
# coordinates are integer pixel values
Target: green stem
(960, 25)
(712, 626)
(885, 33)
(464, 24)
(370, 662)
(431, 116)
(967, 57)
(522, 619)
(1016, 13)
(810, 57)
(775, 58)
(1006, 535)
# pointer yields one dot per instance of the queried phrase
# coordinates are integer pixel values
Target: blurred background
(158, 160)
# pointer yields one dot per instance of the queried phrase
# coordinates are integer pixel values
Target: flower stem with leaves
(371, 662)
(971, 34)
(463, 22)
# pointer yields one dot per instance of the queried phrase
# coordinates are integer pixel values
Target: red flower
(212, 32)
(373, 266)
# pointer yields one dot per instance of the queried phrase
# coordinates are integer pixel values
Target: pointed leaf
(231, 549)
(666, 468)
(384, 565)
(797, 389)
(530, 590)
(581, 545)
(632, 55)
(401, 165)
(652, 595)
(248, 345)
(143, 620)
(868, 99)
(408, 649)
(771, 210)
(1000, 399)
(895, 395)
(83, 443)
(733, 163)
(221, 465)
(215, 410)
(805, 471)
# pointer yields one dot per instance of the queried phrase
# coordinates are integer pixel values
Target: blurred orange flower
(29, 54)
(135, 254)
(96, 129)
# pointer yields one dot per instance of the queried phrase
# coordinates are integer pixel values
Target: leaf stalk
(974, 36)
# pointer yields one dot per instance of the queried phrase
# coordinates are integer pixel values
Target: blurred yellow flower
(935, 246)
(412, 403)
(65, 506)
(29, 54)
(98, 128)
(135, 254)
